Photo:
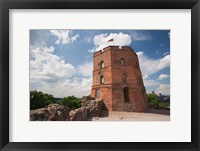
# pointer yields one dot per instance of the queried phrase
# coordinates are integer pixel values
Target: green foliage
(40, 100)
(151, 97)
(153, 100)
(163, 104)
(71, 102)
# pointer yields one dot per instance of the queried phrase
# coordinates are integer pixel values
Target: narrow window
(102, 65)
(97, 93)
(101, 80)
(124, 77)
(122, 61)
(126, 94)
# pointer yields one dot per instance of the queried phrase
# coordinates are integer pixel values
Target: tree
(153, 99)
(40, 100)
(71, 102)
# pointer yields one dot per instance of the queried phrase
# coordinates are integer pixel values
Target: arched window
(102, 65)
(123, 77)
(122, 61)
(97, 93)
(101, 80)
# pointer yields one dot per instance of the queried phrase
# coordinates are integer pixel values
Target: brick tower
(117, 79)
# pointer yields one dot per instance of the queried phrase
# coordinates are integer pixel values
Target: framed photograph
(99, 75)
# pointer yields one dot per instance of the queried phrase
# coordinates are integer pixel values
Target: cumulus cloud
(49, 73)
(150, 66)
(139, 36)
(145, 76)
(46, 66)
(163, 76)
(164, 89)
(83, 86)
(86, 68)
(76, 86)
(64, 36)
(101, 41)
(39, 38)
(151, 83)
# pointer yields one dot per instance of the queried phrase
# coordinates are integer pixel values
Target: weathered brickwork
(121, 87)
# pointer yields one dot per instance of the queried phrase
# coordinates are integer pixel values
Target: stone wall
(79, 114)
(94, 108)
(56, 112)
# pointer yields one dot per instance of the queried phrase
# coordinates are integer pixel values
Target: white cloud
(77, 86)
(164, 89)
(101, 41)
(38, 38)
(166, 53)
(138, 36)
(163, 76)
(64, 36)
(145, 76)
(150, 66)
(84, 87)
(88, 39)
(46, 66)
(86, 68)
(50, 74)
(164, 62)
(150, 83)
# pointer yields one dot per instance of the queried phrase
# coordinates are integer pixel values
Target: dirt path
(131, 116)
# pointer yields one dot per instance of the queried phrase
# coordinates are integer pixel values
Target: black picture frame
(5, 5)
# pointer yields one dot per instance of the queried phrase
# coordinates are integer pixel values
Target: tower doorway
(126, 94)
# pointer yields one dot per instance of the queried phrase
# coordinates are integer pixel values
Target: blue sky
(61, 60)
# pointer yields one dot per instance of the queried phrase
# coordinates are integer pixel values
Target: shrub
(71, 102)
(153, 100)
(40, 100)
(164, 104)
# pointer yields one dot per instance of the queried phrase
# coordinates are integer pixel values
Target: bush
(40, 100)
(71, 102)
(163, 104)
(153, 100)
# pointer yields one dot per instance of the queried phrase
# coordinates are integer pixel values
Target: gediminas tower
(117, 79)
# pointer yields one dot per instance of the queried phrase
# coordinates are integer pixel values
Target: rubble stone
(54, 112)
(79, 114)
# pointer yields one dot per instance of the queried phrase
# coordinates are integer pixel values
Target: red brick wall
(112, 90)
(106, 71)
(105, 93)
